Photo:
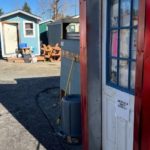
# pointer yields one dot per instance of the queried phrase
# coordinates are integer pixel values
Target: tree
(1, 12)
(54, 9)
(59, 9)
(26, 8)
(44, 9)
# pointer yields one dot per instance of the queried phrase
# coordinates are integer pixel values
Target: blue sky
(10, 5)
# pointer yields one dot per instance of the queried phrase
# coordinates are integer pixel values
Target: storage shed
(57, 29)
(44, 31)
(55, 32)
(65, 32)
(19, 27)
(70, 65)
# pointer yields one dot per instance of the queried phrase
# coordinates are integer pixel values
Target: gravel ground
(22, 125)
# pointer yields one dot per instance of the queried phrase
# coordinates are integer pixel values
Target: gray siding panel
(54, 34)
(74, 88)
(71, 46)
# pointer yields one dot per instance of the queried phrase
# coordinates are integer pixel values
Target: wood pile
(51, 53)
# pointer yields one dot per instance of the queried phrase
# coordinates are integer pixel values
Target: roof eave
(20, 11)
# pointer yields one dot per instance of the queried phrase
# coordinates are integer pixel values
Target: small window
(73, 28)
(121, 50)
(71, 31)
(29, 29)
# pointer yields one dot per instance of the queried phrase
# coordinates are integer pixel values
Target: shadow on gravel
(19, 100)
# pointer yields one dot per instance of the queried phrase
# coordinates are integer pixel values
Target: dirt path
(22, 125)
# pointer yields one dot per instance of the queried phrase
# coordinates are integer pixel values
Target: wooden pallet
(40, 58)
(15, 60)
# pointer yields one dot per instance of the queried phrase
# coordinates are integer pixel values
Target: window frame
(24, 29)
(109, 57)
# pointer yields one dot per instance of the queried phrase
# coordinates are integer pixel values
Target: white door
(119, 51)
(10, 38)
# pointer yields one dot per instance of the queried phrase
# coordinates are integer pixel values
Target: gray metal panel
(74, 87)
(71, 46)
(54, 34)
(94, 74)
(71, 115)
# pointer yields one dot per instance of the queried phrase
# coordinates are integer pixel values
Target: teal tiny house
(19, 27)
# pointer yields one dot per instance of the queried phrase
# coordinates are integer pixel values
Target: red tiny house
(140, 101)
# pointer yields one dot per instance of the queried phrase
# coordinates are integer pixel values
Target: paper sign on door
(123, 109)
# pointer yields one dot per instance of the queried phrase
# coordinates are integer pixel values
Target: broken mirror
(134, 43)
(125, 12)
(114, 43)
(114, 13)
(113, 71)
(124, 43)
(135, 12)
(133, 69)
(123, 73)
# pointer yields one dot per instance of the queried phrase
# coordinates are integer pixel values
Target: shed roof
(22, 12)
(46, 21)
(65, 20)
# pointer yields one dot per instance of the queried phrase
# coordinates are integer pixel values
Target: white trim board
(24, 33)
(38, 34)
(2, 40)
